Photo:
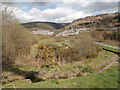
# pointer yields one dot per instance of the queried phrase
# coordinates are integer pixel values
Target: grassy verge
(111, 44)
(109, 48)
(106, 79)
(101, 58)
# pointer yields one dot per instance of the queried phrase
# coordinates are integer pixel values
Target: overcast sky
(62, 11)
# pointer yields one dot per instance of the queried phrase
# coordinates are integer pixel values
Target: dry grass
(29, 61)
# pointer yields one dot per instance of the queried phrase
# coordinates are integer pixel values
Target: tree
(16, 40)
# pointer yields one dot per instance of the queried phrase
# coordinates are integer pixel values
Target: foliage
(87, 69)
(97, 36)
(16, 40)
(67, 55)
(105, 79)
(54, 54)
(99, 29)
(115, 35)
(46, 52)
(106, 35)
(84, 44)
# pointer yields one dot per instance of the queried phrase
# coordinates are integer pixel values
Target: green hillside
(44, 25)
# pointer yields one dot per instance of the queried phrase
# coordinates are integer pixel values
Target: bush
(84, 44)
(99, 29)
(113, 35)
(16, 39)
(68, 55)
(87, 69)
(46, 53)
(106, 35)
(97, 36)
(52, 54)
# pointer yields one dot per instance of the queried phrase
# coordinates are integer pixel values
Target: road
(107, 45)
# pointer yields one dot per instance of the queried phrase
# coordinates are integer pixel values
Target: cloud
(65, 11)
(23, 16)
(72, 17)
(40, 4)
(57, 12)
(90, 6)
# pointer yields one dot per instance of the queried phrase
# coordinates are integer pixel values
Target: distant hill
(104, 20)
(44, 25)
(99, 21)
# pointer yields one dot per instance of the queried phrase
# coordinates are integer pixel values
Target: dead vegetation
(106, 36)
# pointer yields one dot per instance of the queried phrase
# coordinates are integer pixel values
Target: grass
(101, 58)
(111, 44)
(54, 41)
(28, 68)
(109, 48)
(61, 44)
(106, 79)
(47, 41)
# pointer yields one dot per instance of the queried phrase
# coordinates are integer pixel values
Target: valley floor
(108, 78)
(105, 79)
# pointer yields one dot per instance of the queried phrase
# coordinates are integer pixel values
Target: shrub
(106, 35)
(67, 55)
(45, 53)
(87, 69)
(97, 36)
(98, 49)
(16, 39)
(99, 29)
(113, 35)
(84, 44)
(52, 54)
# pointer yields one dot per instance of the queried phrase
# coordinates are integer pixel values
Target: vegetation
(68, 61)
(111, 44)
(99, 29)
(44, 25)
(106, 36)
(55, 54)
(112, 36)
(104, 21)
(16, 40)
(84, 43)
(105, 79)
(109, 48)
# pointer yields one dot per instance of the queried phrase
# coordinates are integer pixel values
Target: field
(89, 79)
(45, 54)
(92, 68)
(105, 79)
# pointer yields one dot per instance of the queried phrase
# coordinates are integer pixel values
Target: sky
(60, 11)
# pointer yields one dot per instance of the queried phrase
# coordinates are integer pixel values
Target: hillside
(102, 21)
(44, 25)
(99, 21)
